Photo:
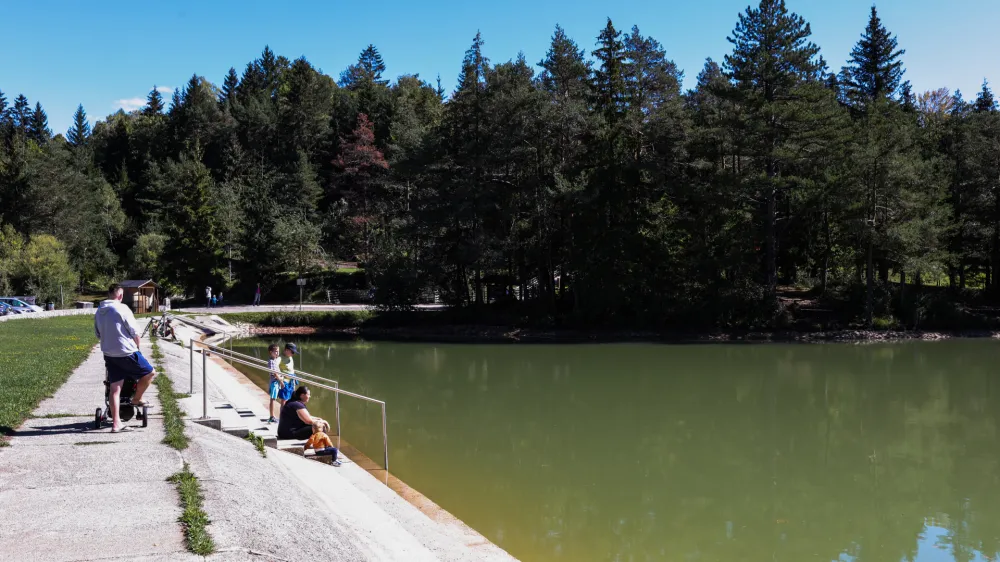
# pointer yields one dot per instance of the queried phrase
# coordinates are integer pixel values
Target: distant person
(214, 301)
(277, 383)
(256, 296)
(115, 326)
(320, 441)
(208, 297)
(287, 369)
(220, 298)
(295, 422)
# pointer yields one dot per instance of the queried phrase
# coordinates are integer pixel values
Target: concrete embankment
(250, 499)
(69, 492)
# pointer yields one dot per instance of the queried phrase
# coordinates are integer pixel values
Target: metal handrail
(320, 380)
(295, 376)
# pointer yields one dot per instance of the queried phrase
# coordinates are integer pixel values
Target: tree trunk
(771, 244)
(824, 275)
(902, 288)
(869, 282)
(479, 285)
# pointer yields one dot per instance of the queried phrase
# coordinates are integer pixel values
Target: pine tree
(3, 108)
(368, 70)
(79, 133)
(985, 101)
(874, 71)
(565, 71)
(609, 77)
(229, 86)
(771, 66)
(39, 128)
(21, 115)
(154, 103)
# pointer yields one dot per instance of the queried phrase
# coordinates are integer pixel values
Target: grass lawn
(36, 358)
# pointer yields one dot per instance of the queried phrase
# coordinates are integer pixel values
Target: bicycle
(158, 327)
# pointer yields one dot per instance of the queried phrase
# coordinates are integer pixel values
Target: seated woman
(321, 442)
(294, 422)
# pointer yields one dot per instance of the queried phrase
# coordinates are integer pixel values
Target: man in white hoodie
(115, 326)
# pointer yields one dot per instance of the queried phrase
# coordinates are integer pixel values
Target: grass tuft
(173, 418)
(258, 442)
(38, 356)
(194, 519)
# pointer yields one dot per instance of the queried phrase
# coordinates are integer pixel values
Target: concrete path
(71, 493)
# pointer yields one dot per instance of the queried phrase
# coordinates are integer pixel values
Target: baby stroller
(125, 408)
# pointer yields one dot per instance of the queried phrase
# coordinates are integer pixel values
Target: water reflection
(702, 453)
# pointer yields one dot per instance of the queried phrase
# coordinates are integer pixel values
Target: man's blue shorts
(274, 389)
(132, 366)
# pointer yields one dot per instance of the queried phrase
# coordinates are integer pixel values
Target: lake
(642, 452)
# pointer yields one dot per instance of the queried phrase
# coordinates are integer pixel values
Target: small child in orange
(321, 442)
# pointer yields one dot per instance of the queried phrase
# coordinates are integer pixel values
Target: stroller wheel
(145, 416)
(98, 418)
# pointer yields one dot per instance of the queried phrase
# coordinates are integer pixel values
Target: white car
(19, 305)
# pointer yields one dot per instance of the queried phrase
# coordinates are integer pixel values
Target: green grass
(193, 518)
(173, 418)
(258, 442)
(339, 319)
(38, 356)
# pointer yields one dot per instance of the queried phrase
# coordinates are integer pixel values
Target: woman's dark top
(290, 422)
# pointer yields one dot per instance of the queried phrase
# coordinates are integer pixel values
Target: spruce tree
(874, 71)
(609, 76)
(21, 115)
(39, 128)
(3, 108)
(79, 131)
(985, 101)
(368, 70)
(154, 103)
(229, 86)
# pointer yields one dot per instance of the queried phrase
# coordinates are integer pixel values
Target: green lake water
(640, 452)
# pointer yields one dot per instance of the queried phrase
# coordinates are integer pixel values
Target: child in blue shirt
(277, 384)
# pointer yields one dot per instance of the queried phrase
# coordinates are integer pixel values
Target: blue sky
(109, 54)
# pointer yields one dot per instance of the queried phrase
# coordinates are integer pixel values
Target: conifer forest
(588, 188)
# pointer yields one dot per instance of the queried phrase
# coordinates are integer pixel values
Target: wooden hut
(140, 295)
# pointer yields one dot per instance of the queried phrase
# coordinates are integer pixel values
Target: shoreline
(425, 505)
(513, 335)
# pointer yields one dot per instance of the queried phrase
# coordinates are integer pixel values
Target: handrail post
(336, 408)
(385, 443)
(192, 367)
(204, 385)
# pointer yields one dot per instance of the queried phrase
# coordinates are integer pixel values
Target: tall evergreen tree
(79, 131)
(609, 76)
(985, 101)
(368, 69)
(229, 86)
(874, 71)
(21, 115)
(39, 128)
(154, 102)
(775, 69)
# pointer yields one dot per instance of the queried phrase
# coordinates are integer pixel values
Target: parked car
(18, 305)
